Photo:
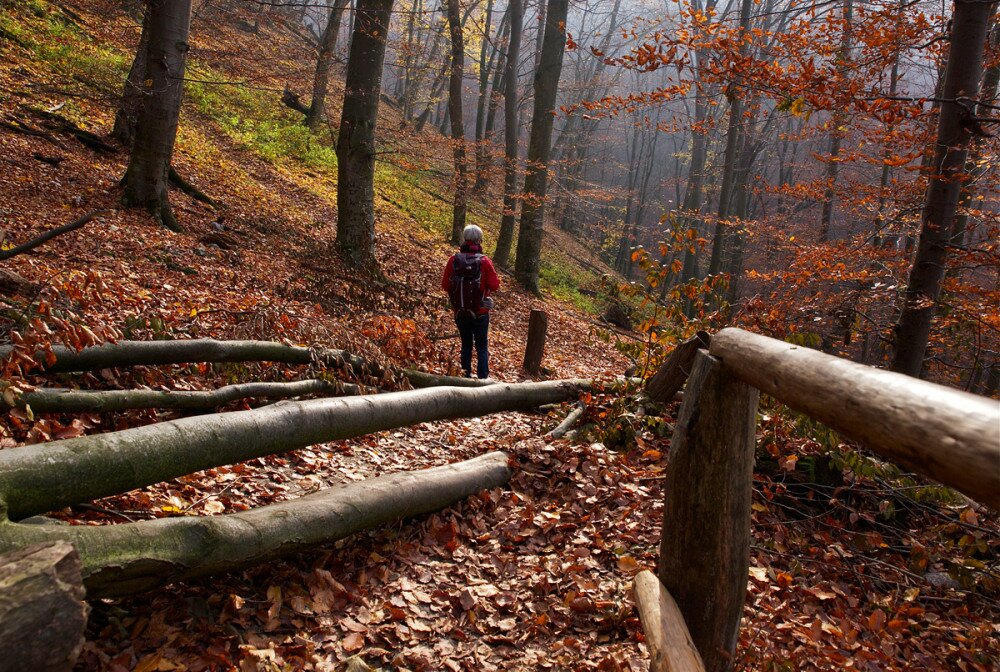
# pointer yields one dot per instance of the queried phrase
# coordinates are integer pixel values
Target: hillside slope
(277, 186)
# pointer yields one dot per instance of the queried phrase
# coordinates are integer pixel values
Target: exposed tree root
(39, 478)
(97, 401)
(194, 192)
(133, 557)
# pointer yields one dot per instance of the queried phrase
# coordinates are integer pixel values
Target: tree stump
(42, 612)
(538, 324)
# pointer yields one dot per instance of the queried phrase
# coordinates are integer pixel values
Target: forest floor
(534, 576)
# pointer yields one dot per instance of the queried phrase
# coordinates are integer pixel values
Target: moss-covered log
(40, 478)
(97, 401)
(129, 558)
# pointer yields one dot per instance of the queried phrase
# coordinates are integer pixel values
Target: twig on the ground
(50, 234)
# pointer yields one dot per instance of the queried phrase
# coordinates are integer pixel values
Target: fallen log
(133, 557)
(207, 350)
(101, 401)
(667, 637)
(42, 612)
(670, 377)
(156, 353)
(45, 477)
(50, 234)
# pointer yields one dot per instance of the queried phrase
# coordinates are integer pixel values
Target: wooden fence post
(705, 543)
(538, 324)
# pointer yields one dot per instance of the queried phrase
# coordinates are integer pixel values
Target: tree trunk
(42, 612)
(39, 478)
(733, 136)
(134, 93)
(501, 256)
(485, 64)
(705, 542)
(356, 141)
(970, 24)
(133, 557)
(529, 237)
(327, 51)
(146, 181)
(836, 135)
(457, 121)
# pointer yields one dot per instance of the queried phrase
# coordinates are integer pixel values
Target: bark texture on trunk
(104, 401)
(42, 612)
(356, 142)
(969, 25)
(146, 182)
(529, 237)
(673, 373)
(321, 78)
(40, 478)
(134, 93)
(705, 542)
(456, 117)
(505, 240)
(123, 559)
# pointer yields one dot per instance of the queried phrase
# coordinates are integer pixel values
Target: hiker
(469, 278)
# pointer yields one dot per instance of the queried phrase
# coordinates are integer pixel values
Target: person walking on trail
(469, 279)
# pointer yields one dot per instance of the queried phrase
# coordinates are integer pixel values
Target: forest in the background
(747, 335)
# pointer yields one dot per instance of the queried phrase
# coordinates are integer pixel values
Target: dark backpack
(466, 292)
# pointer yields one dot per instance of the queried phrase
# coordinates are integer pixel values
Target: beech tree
(529, 236)
(127, 115)
(457, 120)
(146, 182)
(327, 50)
(504, 241)
(356, 141)
(969, 26)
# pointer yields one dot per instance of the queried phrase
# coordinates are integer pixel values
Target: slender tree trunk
(511, 132)
(529, 238)
(146, 182)
(356, 142)
(836, 134)
(327, 50)
(485, 63)
(457, 120)
(134, 93)
(484, 155)
(970, 24)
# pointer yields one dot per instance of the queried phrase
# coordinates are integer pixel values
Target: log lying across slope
(49, 400)
(124, 559)
(207, 350)
(40, 478)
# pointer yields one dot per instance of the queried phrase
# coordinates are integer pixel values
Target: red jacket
(490, 280)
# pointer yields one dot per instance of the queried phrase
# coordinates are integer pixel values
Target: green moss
(563, 280)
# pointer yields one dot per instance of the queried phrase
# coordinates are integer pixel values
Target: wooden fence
(691, 614)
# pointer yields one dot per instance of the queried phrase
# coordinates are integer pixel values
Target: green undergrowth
(256, 120)
(58, 43)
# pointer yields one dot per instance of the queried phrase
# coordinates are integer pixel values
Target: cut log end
(42, 612)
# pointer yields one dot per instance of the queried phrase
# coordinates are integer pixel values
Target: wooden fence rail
(943, 434)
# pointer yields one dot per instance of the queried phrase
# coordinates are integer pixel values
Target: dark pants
(474, 329)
